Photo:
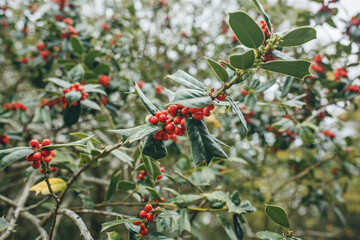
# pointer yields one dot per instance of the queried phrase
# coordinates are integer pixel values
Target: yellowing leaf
(57, 185)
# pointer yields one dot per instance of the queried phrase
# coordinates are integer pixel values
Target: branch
(37, 223)
(78, 221)
(101, 212)
(190, 182)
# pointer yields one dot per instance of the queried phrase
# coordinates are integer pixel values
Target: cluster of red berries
(162, 199)
(325, 8)
(353, 88)
(68, 21)
(105, 27)
(74, 87)
(280, 133)
(340, 72)
(24, 60)
(4, 139)
(355, 21)
(46, 154)
(143, 173)
(174, 119)
(268, 55)
(317, 67)
(321, 116)
(70, 31)
(329, 133)
(43, 52)
(104, 80)
(14, 106)
(147, 216)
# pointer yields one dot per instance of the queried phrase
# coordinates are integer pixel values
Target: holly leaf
(218, 69)
(278, 215)
(154, 148)
(191, 98)
(298, 68)
(243, 60)
(187, 80)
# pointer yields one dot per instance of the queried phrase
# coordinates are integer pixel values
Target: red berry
(143, 172)
(172, 110)
(159, 164)
(53, 169)
(143, 214)
(47, 159)
(164, 112)
(244, 92)
(206, 112)
(52, 153)
(148, 207)
(177, 120)
(182, 123)
(159, 177)
(211, 107)
(34, 143)
(168, 122)
(170, 128)
(158, 135)
(185, 111)
(36, 164)
(162, 118)
(45, 152)
(221, 98)
(136, 223)
(162, 169)
(157, 114)
(29, 158)
(143, 231)
(165, 136)
(153, 120)
(140, 84)
(140, 176)
(177, 131)
(150, 217)
(37, 156)
(142, 226)
(163, 200)
(193, 110)
(46, 142)
(198, 116)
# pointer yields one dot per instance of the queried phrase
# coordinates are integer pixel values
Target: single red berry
(148, 207)
(162, 118)
(34, 143)
(143, 214)
(140, 176)
(157, 114)
(162, 199)
(164, 112)
(221, 97)
(244, 92)
(136, 223)
(45, 152)
(142, 226)
(155, 200)
(170, 128)
(140, 84)
(46, 142)
(168, 122)
(53, 153)
(211, 107)
(53, 169)
(37, 156)
(206, 112)
(42, 171)
(185, 111)
(36, 164)
(153, 120)
(177, 120)
(165, 136)
(158, 135)
(162, 169)
(143, 172)
(30, 158)
(177, 131)
(159, 177)
(150, 217)
(143, 231)
(182, 123)
(157, 208)
(193, 110)
(172, 110)
(198, 116)
(47, 159)
(159, 164)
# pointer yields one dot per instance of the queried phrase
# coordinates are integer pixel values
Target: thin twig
(190, 182)
(79, 222)
(94, 211)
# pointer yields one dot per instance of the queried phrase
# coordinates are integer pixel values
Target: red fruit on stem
(159, 164)
(37, 156)
(244, 92)
(165, 136)
(157, 114)
(148, 208)
(164, 112)
(34, 143)
(142, 226)
(162, 118)
(206, 112)
(185, 111)
(177, 120)
(36, 164)
(221, 97)
(153, 120)
(168, 122)
(45, 152)
(193, 110)
(143, 214)
(150, 217)
(29, 158)
(143, 172)
(159, 177)
(211, 107)
(53, 153)
(198, 116)
(136, 223)
(158, 135)
(170, 128)
(53, 169)
(162, 199)
(143, 231)
(46, 142)
(177, 131)
(47, 159)
(162, 169)
(182, 123)
(140, 176)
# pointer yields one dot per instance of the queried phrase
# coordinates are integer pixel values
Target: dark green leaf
(59, 82)
(298, 68)
(115, 178)
(186, 198)
(191, 98)
(228, 228)
(136, 133)
(244, 60)
(250, 101)
(76, 74)
(246, 29)
(306, 135)
(263, 14)
(4, 224)
(218, 69)
(76, 45)
(203, 146)
(102, 68)
(114, 236)
(73, 96)
(236, 110)
(148, 104)
(298, 36)
(79, 143)
(154, 148)
(264, 86)
(239, 230)
(126, 185)
(287, 86)
(90, 57)
(14, 156)
(110, 224)
(87, 201)
(278, 215)
(152, 192)
(236, 198)
(187, 80)
(152, 167)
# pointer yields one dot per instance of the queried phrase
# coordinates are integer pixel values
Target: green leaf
(239, 230)
(298, 36)
(91, 104)
(136, 133)
(115, 178)
(102, 68)
(283, 124)
(184, 222)
(148, 104)
(4, 224)
(246, 30)
(59, 82)
(152, 167)
(158, 236)
(125, 186)
(263, 14)
(278, 215)
(287, 86)
(114, 236)
(79, 143)
(76, 74)
(264, 86)
(236, 110)
(152, 192)
(94, 88)
(218, 69)
(202, 144)
(5, 152)
(243, 60)
(298, 68)
(14, 156)
(76, 45)
(90, 57)
(306, 135)
(73, 96)
(191, 98)
(187, 198)
(236, 198)
(187, 80)
(110, 224)
(266, 235)
(228, 228)
(122, 156)
(250, 101)
(154, 148)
